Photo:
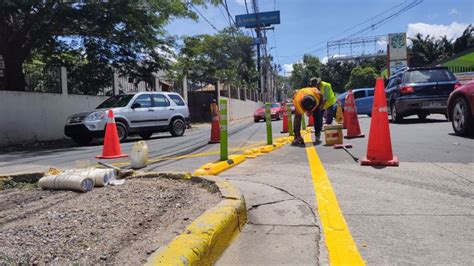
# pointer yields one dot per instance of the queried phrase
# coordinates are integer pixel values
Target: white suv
(143, 113)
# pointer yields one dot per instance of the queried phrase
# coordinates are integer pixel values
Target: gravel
(111, 225)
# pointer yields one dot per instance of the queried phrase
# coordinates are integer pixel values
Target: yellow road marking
(340, 245)
(159, 159)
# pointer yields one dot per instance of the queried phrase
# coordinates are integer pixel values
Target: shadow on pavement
(418, 121)
(463, 137)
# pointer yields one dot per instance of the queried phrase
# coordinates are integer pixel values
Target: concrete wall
(238, 109)
(27, 116)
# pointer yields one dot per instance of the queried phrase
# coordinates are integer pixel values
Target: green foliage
(227, 57)
(426, 50)
(126, 35)
(304, 71)
(361, 77)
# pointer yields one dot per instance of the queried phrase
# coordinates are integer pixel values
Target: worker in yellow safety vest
(307, 100)
(329, 99)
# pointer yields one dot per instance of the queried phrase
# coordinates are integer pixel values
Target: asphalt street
(418, 213)
(161, 145)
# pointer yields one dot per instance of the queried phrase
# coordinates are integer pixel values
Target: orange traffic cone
(215, 129)
(379, 149)
(353, 128)
(285, 121)
(111, 149)
(311, 121)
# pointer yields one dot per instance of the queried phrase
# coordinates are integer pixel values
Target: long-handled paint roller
(346, 147)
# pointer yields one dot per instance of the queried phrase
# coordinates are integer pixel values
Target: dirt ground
(110, 225)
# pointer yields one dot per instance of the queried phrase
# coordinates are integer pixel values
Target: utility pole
(259, 37)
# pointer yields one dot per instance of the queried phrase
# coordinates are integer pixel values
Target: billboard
(397, 51)
(264, 19)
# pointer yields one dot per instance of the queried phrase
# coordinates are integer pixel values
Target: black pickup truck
(420, 91)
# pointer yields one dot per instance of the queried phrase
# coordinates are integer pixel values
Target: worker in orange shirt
(307, 100)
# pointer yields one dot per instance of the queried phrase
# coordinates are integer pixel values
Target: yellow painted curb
(267, 148)
(249, 154)
(208, 236)
(256, 151)
(219, 166)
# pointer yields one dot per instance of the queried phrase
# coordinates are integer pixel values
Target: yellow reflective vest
(328, 94)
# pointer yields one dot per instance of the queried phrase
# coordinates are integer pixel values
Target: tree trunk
(14, 77)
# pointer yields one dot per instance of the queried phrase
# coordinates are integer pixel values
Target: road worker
(329, 99)
(307, 100)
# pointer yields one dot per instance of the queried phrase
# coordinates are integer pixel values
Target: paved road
(161, 145)
(418, 213)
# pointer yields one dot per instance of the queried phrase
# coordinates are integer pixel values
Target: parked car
(276, 112)
(143, 113)
(420, 91)
(461, 109)
(364, 99)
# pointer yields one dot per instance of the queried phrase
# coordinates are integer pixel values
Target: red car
(276, 111)
(461, 109)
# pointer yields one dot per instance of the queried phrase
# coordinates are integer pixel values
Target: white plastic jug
(139, 155)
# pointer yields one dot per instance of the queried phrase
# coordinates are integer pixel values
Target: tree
(424, 51)
(126, 35)
(337, 73)
(226, 57)
(361, 77)
(466, 40)
(304, 71)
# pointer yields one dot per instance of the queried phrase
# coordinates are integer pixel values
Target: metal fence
(80, 82)
(39, 78)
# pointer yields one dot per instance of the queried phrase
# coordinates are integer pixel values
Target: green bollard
(303, 122)
(223, 128)
(268, 120)
(290, 119)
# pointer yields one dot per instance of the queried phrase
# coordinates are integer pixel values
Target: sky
(307, 25)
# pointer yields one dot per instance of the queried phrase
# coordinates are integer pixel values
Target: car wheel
(422, 117)
(280, 116)
(256, 120)
(146, 135)
(461, 121)
(396, 117)
(122, 131)
(177, 127)
(82, 141)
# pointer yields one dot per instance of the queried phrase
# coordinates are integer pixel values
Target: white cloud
(454, 12)
(287, 69)
(451, 31)
(240, 2)
(326, 59)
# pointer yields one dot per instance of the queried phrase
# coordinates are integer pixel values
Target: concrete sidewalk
(282, 227)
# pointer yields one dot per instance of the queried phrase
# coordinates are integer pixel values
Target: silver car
(143, 113)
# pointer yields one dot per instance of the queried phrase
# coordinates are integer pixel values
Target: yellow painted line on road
(339, 242)
(191, 155)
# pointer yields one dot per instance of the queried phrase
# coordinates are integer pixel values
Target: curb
(219, 166)
(215, 168)
(206, 238)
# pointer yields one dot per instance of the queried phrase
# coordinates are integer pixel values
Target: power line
(372, 26)
(226, 18)
(226, 6)
(200, 14)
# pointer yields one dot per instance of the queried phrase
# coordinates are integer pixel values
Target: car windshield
(275, 105)
(428, 75)
(115, 101)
